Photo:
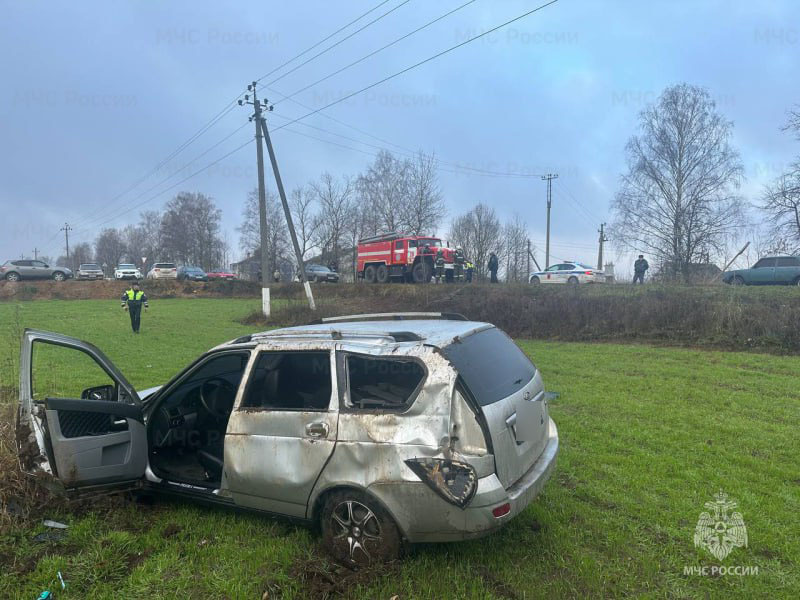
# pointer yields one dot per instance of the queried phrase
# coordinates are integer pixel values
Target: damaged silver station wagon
(383, 429)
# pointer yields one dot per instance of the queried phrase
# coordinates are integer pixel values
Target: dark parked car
(192, 274)
(321, 274)
(14, 270)
(770, 270)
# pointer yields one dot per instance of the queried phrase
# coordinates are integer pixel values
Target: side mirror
(100, 392)
(47, 266)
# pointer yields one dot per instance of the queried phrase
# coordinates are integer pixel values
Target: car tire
(382, 274)
(369, 274)
(738, 280)
(535, 280)
(58, 276)
(357, 531)
(421, 273)
(572, 281)
(12, 277)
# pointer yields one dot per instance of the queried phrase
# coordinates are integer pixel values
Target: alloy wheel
(357, 531)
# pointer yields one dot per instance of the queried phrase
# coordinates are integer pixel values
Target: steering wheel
(210, 397)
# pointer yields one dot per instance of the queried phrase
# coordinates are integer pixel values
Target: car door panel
(79, 442)
(763, 273)
(274, 456)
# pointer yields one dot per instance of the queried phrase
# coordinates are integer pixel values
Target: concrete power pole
(66, 229)
(549, 178)
(262, 200)
(263, 131)
(35, 254)
(602, 240)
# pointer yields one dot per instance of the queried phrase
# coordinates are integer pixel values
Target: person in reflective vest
(132, 301)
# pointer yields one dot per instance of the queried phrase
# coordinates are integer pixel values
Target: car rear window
(164, 265)
(89, 266)
(491, 364)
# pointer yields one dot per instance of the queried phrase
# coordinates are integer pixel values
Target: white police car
(570, 272)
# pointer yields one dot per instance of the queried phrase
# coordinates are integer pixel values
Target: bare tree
(479, 233)
(190, 230)
(678, 199)
(424, 209)
(384, 189)
(781, 201)
(515, 236)
(109, 248)
(335, 198)
(305, 218)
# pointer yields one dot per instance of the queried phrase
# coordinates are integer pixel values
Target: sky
(95, 95)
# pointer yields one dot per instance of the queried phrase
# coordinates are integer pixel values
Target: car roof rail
(398, 316)
(336, 334)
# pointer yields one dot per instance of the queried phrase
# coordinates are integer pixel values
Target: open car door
(80, 422)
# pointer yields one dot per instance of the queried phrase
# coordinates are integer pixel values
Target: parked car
(221, 275)
(320, 274)
(89, 271)
(572, 273)
(770, 270)
(192, 274)
(163, 271)
(127, 271)
(14, 270)
(382, 429)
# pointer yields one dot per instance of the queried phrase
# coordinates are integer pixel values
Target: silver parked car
(14, 270)
(415, 428)
(89, 271)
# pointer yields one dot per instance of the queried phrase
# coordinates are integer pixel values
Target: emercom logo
(720, 529)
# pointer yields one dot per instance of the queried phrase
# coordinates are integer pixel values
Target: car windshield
(88, 267)
(126, 267)
(193, 269)
(433, 243)
(319, 268)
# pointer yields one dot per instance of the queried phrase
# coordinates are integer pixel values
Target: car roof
(438, 332)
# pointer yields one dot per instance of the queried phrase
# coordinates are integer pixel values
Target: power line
(381, 49)
(344, 39)
(88, 224)
(323, 40)
(422, 62)
(455, 167)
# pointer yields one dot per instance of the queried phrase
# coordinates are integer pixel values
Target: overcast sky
(95, 94)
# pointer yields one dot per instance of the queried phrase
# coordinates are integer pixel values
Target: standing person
(639, 268)
(132, 301)
(276, 275)
(470, 270)
(458, 259)
(439, 262)
(494, 264)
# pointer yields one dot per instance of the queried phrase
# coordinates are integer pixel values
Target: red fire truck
(383, 258)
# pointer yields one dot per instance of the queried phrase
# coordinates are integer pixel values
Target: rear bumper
(425, 517)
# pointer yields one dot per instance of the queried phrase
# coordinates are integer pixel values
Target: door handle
(317, 430)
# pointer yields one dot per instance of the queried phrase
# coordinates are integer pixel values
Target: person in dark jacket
(132, 301)
(439, 264)
(639, 269)
(494, 264)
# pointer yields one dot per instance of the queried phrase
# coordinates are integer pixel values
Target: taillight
(588, 272)
(453, 480)
(502, 510)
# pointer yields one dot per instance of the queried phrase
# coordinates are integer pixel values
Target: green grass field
(648, 435)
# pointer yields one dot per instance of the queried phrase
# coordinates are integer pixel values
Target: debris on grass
(54, 524)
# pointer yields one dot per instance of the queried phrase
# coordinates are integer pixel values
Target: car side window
(38, 263)
(764, 262)
(567, 267)
(398, 245)
(220, 375)
(412, 243)
(788, 261)
(553, 268)
(290, 381)
(388, 384)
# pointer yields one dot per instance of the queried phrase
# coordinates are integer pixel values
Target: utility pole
(263, 131)
(66, 229)
(603, 239)
(528, 275)
(549, 178)
(262, 199)
(35, 254)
